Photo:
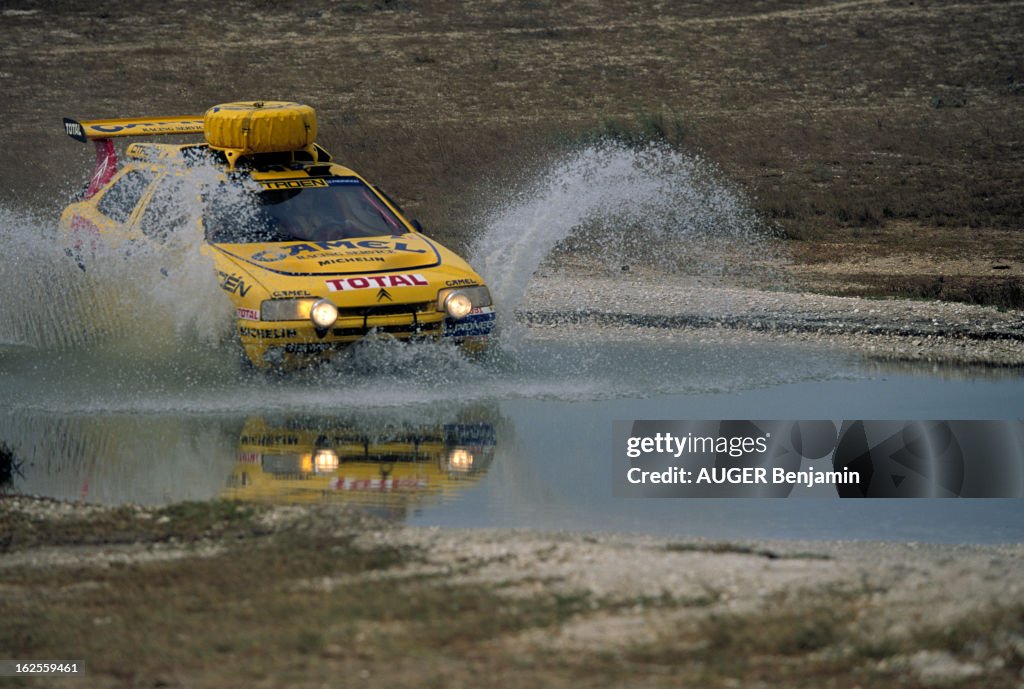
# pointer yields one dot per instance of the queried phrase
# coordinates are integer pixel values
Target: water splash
(614, 206)
(149, 298)
(145, 327)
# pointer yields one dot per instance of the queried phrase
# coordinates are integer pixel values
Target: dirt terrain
(329, 597)
(650, 304)
(880, 145)
(880, 139)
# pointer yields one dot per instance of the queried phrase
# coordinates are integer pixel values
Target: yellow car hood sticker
(339, 256)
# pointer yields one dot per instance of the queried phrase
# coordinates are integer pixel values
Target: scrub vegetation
(305, 596)
(643, 130)
(880, 138)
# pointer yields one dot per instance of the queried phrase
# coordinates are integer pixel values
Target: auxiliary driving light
(323, 314)
(458, 305)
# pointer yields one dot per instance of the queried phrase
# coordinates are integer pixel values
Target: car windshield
(310, 209)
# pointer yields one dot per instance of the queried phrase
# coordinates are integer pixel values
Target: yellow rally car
(319, 259)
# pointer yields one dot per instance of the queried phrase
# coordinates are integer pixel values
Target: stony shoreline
(656, 305)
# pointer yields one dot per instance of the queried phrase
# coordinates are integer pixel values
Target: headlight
(286, 309)
(458, 302)
(458, 305)
(323, 314)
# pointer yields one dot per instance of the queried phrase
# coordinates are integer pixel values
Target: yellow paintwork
(286, 463)
(132, 126)
(410, 267)
(260, 126)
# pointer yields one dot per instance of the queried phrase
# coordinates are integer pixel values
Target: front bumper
(290, 344)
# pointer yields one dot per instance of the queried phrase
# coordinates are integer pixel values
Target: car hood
(338, 257)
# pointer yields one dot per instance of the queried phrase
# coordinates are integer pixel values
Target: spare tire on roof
(260, 126)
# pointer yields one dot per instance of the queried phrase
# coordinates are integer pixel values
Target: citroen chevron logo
(383, 294)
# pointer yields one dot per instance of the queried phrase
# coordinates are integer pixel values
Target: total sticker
(376, 281)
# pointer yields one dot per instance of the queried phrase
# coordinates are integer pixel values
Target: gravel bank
(317, 592)
(882, 329)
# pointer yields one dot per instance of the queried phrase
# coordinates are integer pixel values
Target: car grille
(386, 310)
(409, 329)
(415, 320)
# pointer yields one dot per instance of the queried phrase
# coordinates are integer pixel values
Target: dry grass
(301, 597)
(832, 117)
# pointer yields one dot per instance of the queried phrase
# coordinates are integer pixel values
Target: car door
(111, 211)
(119, 202)
(107, 214)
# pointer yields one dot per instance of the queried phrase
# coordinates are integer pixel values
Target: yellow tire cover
(260, 126)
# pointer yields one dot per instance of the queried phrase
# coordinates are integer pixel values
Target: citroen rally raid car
(324, 258)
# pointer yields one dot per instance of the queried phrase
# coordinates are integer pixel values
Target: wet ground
(423, 436)
(620, 283)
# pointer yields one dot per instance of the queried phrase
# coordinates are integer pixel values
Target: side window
(168, 209)
(120, 200)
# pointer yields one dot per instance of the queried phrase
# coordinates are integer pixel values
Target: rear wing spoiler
(97, 130)
(101, 131)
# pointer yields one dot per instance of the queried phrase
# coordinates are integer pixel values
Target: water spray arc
(651, 205)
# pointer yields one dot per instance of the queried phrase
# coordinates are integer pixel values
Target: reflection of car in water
(302, 459)
(312, 256)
